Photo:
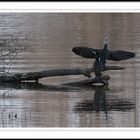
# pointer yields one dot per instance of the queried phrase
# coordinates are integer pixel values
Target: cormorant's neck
(105, 46)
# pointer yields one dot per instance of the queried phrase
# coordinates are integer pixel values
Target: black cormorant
(104, 53)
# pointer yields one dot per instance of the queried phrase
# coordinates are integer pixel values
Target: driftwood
(103, 79)
(35, 76)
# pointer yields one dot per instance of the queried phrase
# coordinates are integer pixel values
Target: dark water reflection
(51, 37)
(37, 86)
(102, 103)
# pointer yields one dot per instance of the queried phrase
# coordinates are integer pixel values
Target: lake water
(51, 37)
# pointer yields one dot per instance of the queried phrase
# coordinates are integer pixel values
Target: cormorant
(104, 53)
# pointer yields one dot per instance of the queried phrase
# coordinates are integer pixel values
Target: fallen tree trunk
(77, 85)
(18, 77)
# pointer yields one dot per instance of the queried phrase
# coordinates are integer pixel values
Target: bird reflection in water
(104, 103)
(100, 100)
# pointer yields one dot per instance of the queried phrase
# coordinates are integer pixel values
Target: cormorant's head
(106, 39)
(106, 42)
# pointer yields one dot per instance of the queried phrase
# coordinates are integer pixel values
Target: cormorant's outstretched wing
(85, 52)
(120, 55)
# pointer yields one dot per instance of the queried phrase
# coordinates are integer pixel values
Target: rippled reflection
(102, 103)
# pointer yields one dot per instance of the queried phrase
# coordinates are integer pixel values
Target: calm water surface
(51, 37)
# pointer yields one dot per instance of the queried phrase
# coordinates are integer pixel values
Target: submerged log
(35, 76)
(103, 79)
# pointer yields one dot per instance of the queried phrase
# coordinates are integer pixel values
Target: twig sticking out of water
(10, 47)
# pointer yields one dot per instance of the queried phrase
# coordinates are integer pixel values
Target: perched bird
(104, 53)
(97, 66)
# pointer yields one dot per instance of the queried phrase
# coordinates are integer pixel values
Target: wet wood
(103, 79)
(35, 76)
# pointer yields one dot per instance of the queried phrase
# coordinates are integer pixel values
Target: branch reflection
(36, 86)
